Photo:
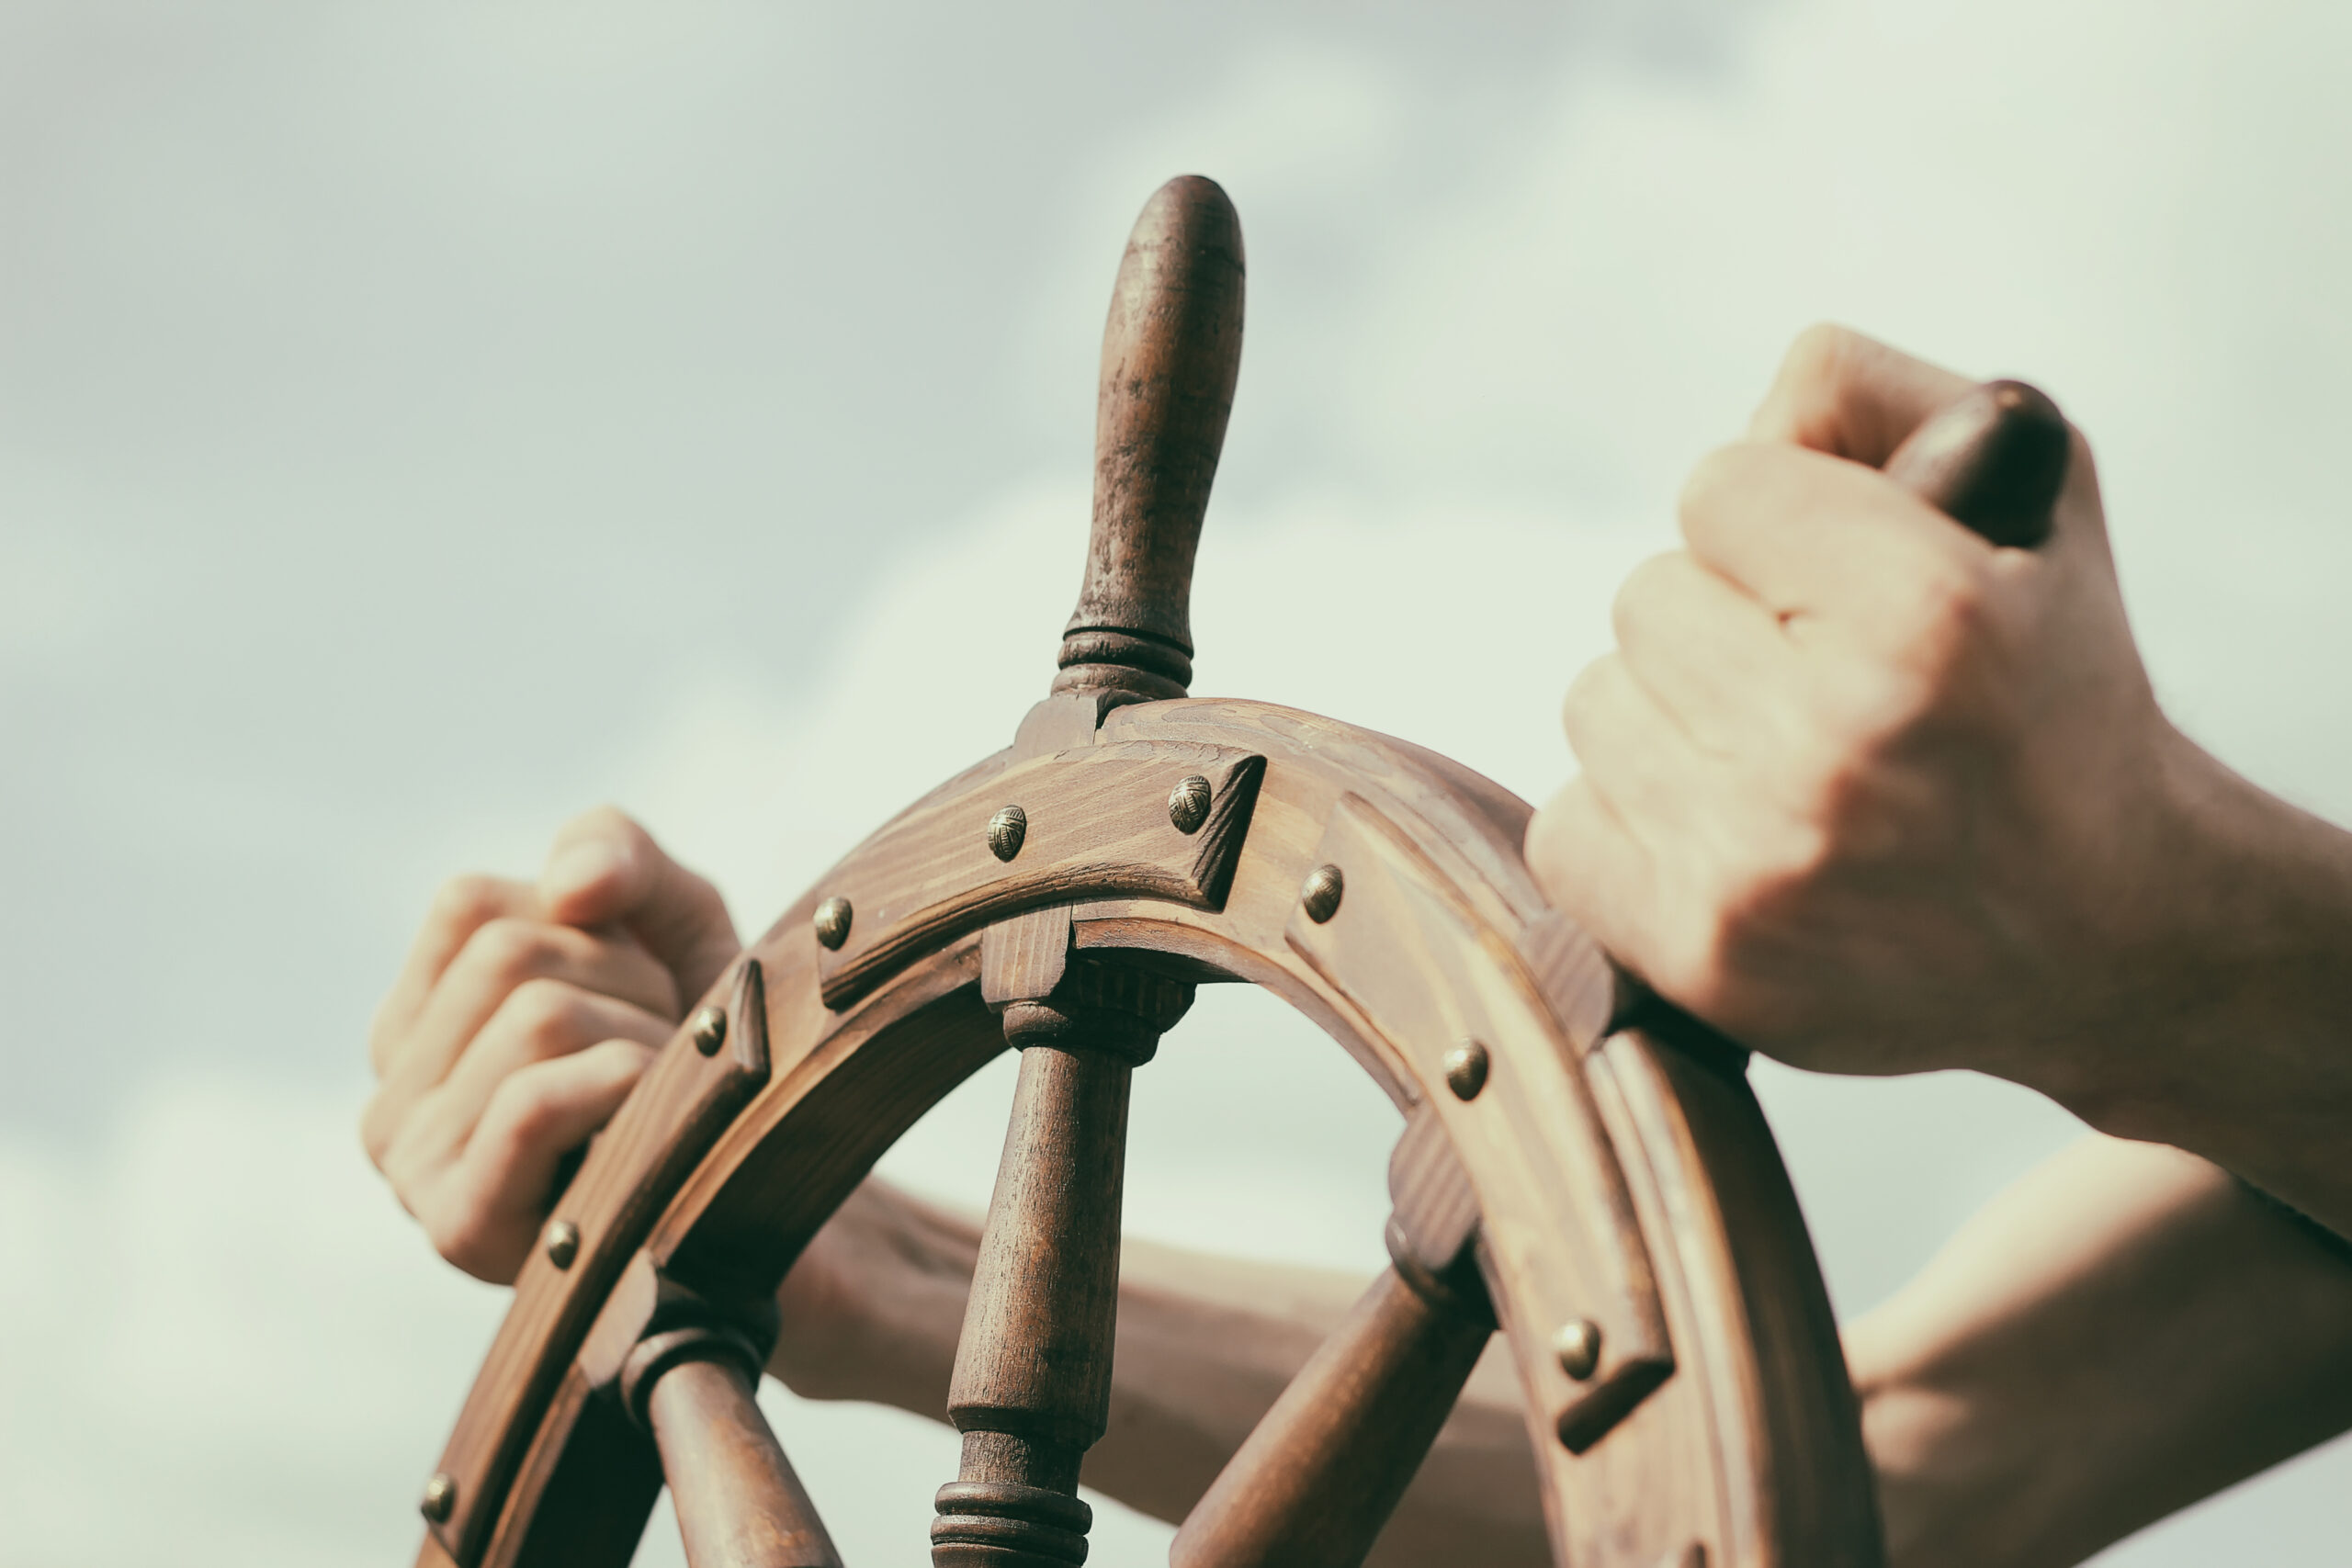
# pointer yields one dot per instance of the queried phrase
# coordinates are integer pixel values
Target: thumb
(603, 869)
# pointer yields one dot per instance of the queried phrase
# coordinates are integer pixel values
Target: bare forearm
(1204, 1346)
(2226, 1027)
(2124, 1332)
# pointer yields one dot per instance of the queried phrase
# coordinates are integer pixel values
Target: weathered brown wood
(738, 1501)
(1320, 1476)
(1098, 822)
(1171, 350)
(1992, 461)
(1321, 1472)
(1682, 1467)
(685, 1101)
(1413, 958)
(1031, 1386)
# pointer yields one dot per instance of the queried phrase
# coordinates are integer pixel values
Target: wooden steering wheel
(1580, 1165)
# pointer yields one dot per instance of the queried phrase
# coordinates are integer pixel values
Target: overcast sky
(420, 422)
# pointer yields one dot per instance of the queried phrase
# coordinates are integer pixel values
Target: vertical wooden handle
(1171, 352)
(1993, 459)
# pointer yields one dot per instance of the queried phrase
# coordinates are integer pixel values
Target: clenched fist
(525, 1013)
(1872, 795)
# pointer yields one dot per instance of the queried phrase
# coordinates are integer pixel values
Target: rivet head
(832, 923)
(710, 1030)
(1188, 804)
(1578, 1344)
(1320, 893)
(1465, 1069)
(563, 1243)
(440, 1498)
(1006, 830)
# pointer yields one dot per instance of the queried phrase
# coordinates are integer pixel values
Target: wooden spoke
(1320, 1476)
(738, 1502)
(1031, 1386)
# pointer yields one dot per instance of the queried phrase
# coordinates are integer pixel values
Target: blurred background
(420, 422)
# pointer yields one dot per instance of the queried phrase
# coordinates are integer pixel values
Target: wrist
(2216, 1020)
(875, 1306)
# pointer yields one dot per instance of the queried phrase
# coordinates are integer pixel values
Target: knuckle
(1644, 595)
(1717, 483)
(546, 1014)
(1819, 356)
(469, 900)
(510, 947)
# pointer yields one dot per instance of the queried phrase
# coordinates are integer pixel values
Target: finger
(1634, 757)
(1850, 396)
(500, 958)
(604, 869)
(462, 907)
(1707, 652)
(539, 1021)
(1591, 867)
(1809, 534)
(486, 1215)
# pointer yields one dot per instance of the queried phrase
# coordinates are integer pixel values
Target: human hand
(1861, 789)
(525, 1014)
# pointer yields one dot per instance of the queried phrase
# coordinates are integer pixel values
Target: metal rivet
(710, 1030)
(440, 1498)
(832, 923)
(1321, 891)
(1188, 804)
(1578, 1344)
(1006, 830)
(1465, 1069)
(563, 1243)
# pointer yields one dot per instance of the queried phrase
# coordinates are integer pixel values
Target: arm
(1204, 1346)
(2123, 1332)
(1873, 796)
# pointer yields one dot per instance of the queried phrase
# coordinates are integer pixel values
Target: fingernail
(580, 867)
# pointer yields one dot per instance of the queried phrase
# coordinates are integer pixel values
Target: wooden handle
(1171, 352)
(1322, 1472)
(1993, 460)
(738, 1502)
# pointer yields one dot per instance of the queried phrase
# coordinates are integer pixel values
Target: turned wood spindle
(692, 1382)
(1317, 1478)
(1031, 1386)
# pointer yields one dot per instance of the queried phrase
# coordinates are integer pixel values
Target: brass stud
(563, 1243)
(1465, 1069)
(1188, 804)
(1006, 830)
(1578, 1344)
(832, 923)
(440, 1498)
(710, 1030)
(1321, 891)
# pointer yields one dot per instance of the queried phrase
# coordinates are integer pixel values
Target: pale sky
(418, 424)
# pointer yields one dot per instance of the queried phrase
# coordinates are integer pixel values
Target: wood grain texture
(677, 1111)
(1318, 1477)
(1689, 1465)
(738, 1501)
(1098, 824)
(1171, 350)
(1414, 962)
